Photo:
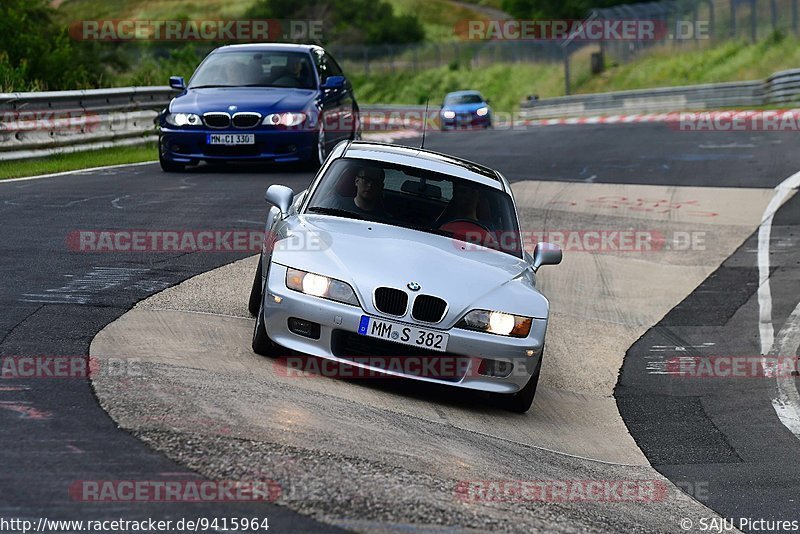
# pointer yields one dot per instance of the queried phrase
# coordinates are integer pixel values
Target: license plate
(403, 333)
(231, 139)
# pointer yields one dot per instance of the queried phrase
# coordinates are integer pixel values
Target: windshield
(463, 99)
(418, 199)
(255, 69)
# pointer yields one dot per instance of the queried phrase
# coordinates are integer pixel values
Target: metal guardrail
(780, 88)
(42, 124)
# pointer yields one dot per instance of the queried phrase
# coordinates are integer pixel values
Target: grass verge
(78, 160)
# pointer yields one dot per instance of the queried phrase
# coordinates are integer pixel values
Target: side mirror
(546, 254)
(177, 82)
(280, 196)
(333, 82)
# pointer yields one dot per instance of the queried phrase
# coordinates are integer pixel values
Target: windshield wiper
(427, 229)
(337, 212)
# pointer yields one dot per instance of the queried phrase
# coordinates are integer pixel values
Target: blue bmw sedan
(258, 102)
(465, 109)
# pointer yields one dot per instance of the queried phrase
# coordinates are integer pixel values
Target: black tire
(256, 292)
(262, 344)
(521, 401)
(320, 147)
(170, 166)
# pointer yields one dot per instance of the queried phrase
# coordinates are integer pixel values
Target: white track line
(787, 401)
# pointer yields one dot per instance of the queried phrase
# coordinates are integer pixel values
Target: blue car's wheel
(170, 166)
(322, 149)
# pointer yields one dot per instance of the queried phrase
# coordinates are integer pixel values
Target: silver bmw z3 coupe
(407, 263)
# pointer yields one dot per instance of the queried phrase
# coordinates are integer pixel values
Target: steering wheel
(463, 228)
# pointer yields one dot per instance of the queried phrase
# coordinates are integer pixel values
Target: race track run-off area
(618, 403)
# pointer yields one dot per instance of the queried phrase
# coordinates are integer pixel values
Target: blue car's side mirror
(333, 82)
(176, 82)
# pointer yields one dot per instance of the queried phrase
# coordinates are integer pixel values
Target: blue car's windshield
(255, 69)
(463, 99)
(419, 199)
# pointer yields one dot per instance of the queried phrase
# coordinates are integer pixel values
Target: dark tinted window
(463, 99)
(326, 65)
(255, 69)
(420, 199)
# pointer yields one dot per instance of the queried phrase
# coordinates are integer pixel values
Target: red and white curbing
(718, 120)
(678, 117)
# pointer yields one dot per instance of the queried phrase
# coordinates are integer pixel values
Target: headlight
(480, 112)
(448, 114)
(494, 322)
(183, 119)
(320, 286)
(284, 119)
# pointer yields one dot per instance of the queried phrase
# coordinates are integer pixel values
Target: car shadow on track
(438, 395)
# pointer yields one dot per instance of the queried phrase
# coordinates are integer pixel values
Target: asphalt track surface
(724, 435)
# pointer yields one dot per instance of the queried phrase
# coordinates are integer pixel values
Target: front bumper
(339, 341)
(467, 120)
(189, 146)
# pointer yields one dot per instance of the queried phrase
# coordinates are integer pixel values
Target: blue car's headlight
(320, 286)
(480, 112)
(284, 119)
(183, 119)
(449, 114)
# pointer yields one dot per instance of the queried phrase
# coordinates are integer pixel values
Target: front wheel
(262, 344)
(521, 401)
(256, 292)
(170, 166)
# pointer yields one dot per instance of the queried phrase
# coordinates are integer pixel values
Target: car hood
(369, 255)
(264, 100)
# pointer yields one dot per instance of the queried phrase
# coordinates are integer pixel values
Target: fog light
(530, 352)
(304, 328)
(495, 368)
(278, 300)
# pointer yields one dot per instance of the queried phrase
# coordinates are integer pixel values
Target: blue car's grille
(246, 120)
(217, 119)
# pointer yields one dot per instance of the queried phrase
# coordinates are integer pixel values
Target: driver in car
(368, 199)
(463, 205)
